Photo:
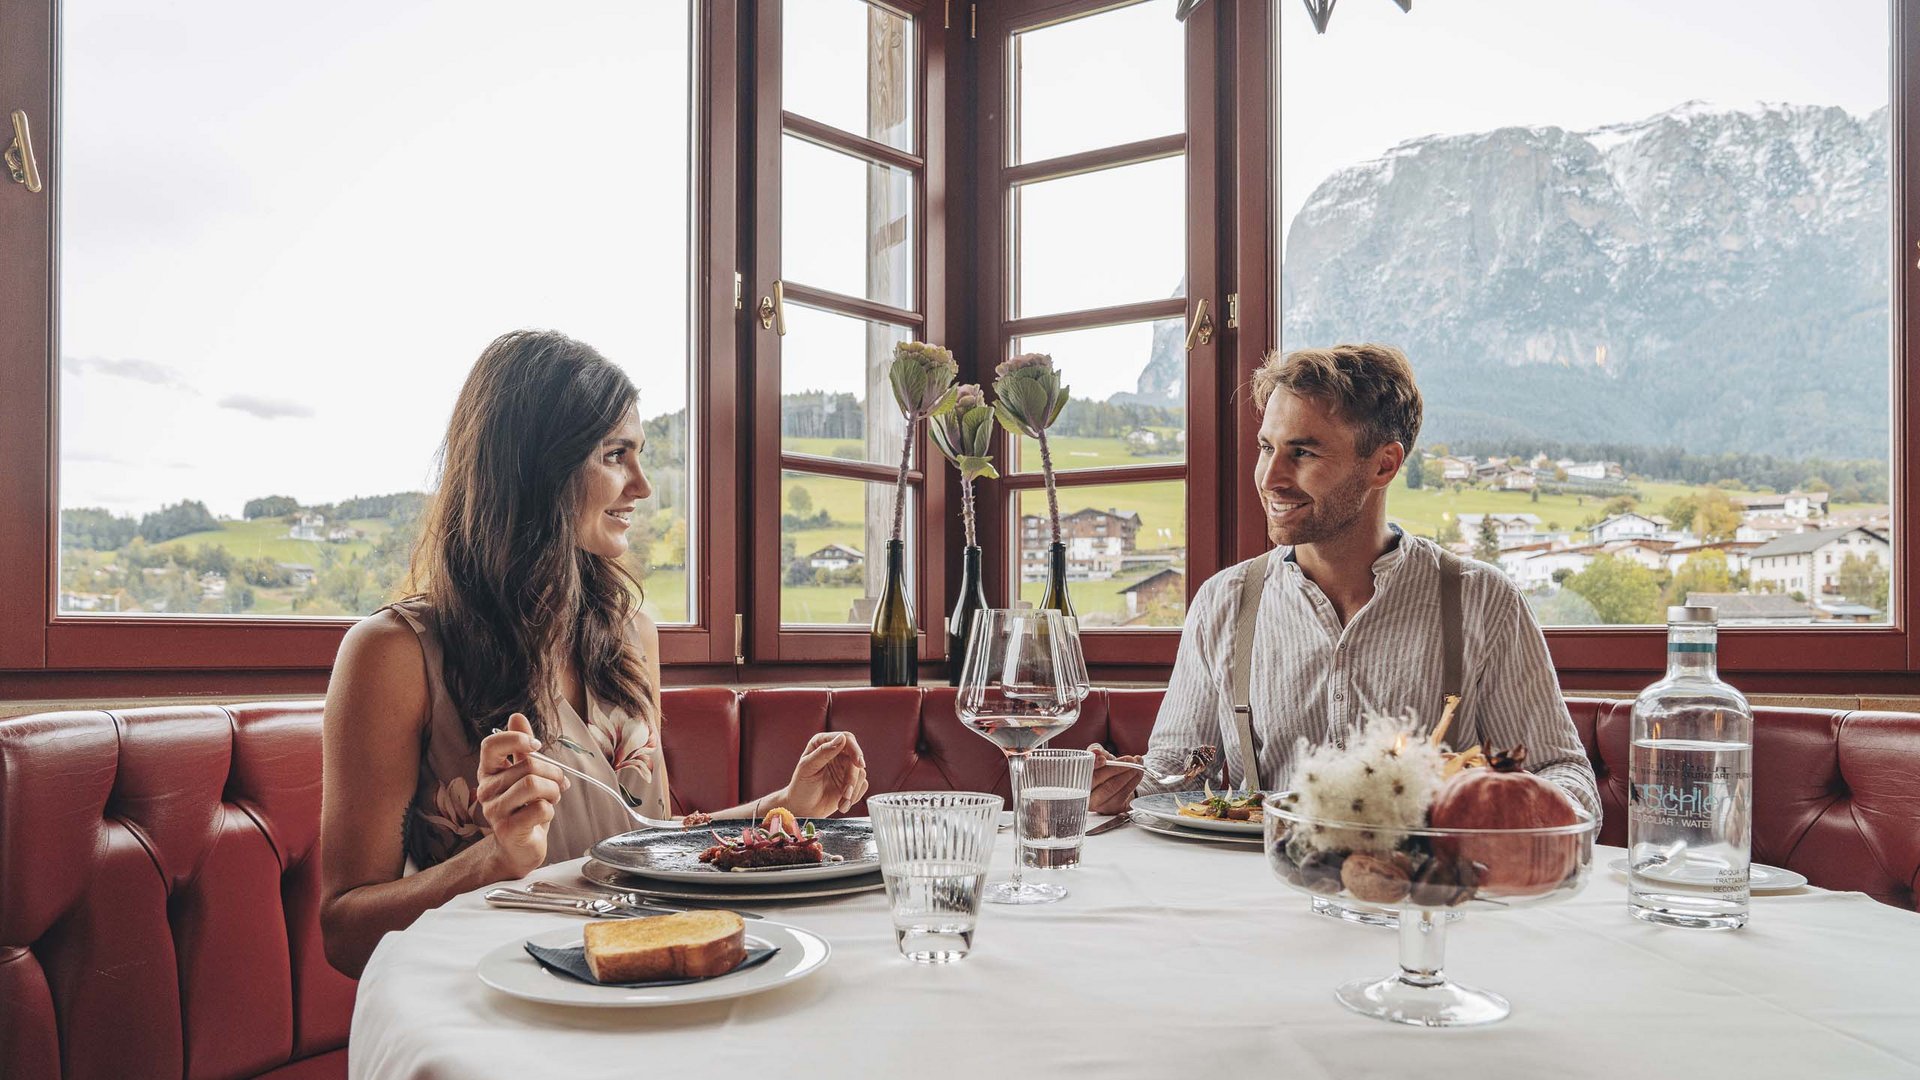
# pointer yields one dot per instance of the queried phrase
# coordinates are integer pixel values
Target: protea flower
(922, 376)
(1028, 398)
(964, 433)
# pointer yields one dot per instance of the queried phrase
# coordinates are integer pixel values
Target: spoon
(643, 820)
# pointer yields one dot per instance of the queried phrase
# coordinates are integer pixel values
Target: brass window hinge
(1233, 311)
(973, 21)
(739, 639)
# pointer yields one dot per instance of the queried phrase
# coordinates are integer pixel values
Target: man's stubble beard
(1330, 516)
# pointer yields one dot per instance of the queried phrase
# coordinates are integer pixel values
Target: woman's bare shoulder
(380, 660)
(644, 632)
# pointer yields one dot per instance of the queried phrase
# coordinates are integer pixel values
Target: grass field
(267, 538)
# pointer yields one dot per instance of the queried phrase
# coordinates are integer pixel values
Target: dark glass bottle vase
(894, 644)
(973, 597)
(1055, 598)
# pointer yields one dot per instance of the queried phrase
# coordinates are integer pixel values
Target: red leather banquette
(159, 878)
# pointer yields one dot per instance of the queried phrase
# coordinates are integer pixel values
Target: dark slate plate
(674, 854)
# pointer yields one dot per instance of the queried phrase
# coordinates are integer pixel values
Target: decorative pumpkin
(1505, 796)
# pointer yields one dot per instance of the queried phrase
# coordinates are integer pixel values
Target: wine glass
(1076, 660)
(1016, 691)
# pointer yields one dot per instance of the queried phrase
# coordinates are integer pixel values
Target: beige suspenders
(1240, 675)
(1240, 678)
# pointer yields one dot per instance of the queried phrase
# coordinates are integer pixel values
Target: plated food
(745, 855)
(511, 970)
(1228, 806)
(687, 945)
(779, 841)
(1211, 814)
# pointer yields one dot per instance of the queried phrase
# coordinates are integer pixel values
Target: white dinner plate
(1166, 806)
(1163, 827)
(1761, 879)
(510, 970)
(754, 892)
(674, 854)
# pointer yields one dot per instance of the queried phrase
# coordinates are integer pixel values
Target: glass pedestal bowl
(1424, 875)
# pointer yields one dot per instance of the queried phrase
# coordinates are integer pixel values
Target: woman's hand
(830, 777)
(517, 795)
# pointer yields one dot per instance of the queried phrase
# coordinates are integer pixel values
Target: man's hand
(1112, 785)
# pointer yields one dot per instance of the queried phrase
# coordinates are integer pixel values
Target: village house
(1877, 518)
(835, 557)
(1735, 551)
(1794, 504)
(1809, 563)
(1755, 609)
(1453, 470)
(1631, 526)
(1096, 540)
(1166, 587)
(1592, 470)
(1518, 479)
(308, 526)
(1651, 554)
(1535, 567)
(1513, 530)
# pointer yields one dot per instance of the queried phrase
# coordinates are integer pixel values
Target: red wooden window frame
(1863, 660)
(1211, 269)
(45, 654)
(1232, 124)
(772, 641)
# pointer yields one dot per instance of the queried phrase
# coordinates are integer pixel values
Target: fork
(599, 909)
(1198, 760)
(622, 899)
(642, 819)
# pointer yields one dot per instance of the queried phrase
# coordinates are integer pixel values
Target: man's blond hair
(1370, 386)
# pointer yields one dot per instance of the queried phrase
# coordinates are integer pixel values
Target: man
(1349, 615)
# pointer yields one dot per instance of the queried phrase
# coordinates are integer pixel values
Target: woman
(524, 634)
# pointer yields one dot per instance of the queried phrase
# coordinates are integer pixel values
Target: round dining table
(1174, 957)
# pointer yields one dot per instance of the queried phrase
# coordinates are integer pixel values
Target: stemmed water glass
(1017, 690)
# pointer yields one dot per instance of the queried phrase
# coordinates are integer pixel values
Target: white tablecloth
(1173, 955)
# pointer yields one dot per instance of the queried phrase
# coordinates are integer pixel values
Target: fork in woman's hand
(639, 818)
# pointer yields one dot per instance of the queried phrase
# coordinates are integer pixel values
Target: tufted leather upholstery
(1836, 795)
(158, 894)
(159, 880)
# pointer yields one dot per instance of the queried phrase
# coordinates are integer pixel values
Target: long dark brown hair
(498, 563)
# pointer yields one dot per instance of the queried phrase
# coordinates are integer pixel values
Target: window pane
(833, 548)
(1129, 403)
(1126, 551)
(846, 224)
(1110, 237)
(850, 64)
(1651, 324)
(1103, 80)
(831, 367)
(261, 341)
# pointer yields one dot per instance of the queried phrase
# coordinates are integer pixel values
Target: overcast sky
(287, 230)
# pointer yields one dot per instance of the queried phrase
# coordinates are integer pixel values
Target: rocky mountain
(1709, 278)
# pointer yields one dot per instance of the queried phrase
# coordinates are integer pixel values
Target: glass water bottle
(1690, 807)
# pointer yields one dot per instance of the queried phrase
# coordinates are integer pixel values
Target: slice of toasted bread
(687, 945)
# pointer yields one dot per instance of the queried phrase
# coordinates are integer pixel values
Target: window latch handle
(21, 164)
(1202, 328)
(773, 311)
